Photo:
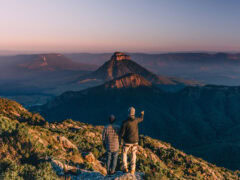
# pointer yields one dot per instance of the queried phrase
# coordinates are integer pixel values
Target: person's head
(131, 111)
(112, 119)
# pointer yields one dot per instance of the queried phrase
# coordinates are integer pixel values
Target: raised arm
(140, 119)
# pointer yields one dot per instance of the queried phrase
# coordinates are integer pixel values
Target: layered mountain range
(34, 79)
(22, 67)
(52, 62)
(208, 68)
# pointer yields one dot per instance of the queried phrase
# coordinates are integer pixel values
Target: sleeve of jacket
(118, 132)
(140, 119)
(118, 129)
(104, 134)
(122, 130)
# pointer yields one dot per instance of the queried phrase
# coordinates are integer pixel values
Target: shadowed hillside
(200, 120)
(74, 149)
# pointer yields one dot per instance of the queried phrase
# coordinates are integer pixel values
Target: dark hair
(112, 119)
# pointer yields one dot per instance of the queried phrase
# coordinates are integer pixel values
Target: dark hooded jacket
(129, 129)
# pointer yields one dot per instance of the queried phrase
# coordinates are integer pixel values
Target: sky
(123, 25)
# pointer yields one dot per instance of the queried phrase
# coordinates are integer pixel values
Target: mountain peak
(130, 80)
(118, 56)
(119, 65)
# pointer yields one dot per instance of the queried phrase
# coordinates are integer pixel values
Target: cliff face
(127, 81)
(74, 149)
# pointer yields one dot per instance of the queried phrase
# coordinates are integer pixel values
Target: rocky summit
(118, 56)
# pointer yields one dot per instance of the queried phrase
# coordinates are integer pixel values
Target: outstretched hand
(142, 112)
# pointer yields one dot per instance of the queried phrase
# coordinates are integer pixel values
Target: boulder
(65, 143)
(96, 164)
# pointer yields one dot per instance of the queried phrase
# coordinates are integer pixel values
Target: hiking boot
(132, 172)
(125, 170)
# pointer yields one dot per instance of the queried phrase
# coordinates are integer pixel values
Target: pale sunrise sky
(125, 25)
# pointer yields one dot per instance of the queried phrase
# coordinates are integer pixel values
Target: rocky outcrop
(73, 172)
(79, 174)
(118, 56)
(128, 81)
(65, 143)
(89, 157)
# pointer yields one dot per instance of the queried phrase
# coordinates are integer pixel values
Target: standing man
(129, 133)
(110, 139)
